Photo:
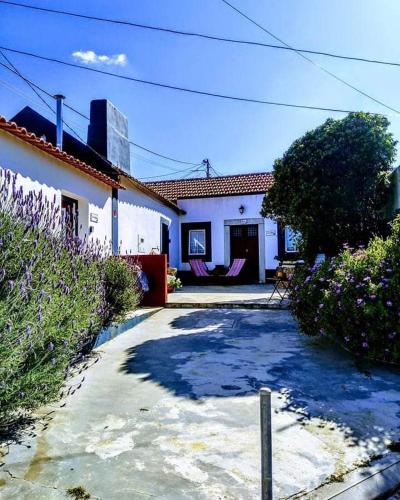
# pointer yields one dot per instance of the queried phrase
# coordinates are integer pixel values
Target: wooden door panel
(244, 244)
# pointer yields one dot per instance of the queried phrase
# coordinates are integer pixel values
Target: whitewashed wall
(217, 211)
(38, 171)
(139, 218)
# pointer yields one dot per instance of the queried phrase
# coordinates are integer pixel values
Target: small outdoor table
(281, 288)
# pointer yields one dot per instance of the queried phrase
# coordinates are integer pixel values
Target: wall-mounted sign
(94, 218)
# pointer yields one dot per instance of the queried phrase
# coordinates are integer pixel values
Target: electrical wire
(199, 35)
(181, 89)
(338, 78)
(170, 173)
(82, 115)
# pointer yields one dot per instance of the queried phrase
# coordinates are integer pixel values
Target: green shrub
(54, 290)
(121, 288)
(355, 298)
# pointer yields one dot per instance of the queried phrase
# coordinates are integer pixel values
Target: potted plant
(173, 283)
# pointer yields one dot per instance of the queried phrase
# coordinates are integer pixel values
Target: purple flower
(365, 345)
(50, 347)
(360, 302)
(389, 303)
(347, 338)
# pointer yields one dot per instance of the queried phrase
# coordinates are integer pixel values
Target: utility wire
(173, 87)
(82, 115)
(338, 78)
(163, 156)
(170, 173)
(200, 35)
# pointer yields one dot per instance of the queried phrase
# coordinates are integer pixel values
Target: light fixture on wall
(241, 209)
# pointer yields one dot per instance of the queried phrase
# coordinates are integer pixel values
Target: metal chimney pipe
(59, 141)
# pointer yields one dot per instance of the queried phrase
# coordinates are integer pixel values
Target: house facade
(222, 221)
(214, 219)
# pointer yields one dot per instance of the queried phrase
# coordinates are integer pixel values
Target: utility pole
(206, 163)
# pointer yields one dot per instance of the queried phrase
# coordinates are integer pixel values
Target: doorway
(69, 211)
(165, 240)
(244, 244)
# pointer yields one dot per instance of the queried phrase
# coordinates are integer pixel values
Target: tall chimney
(108, 133)
(59, 98)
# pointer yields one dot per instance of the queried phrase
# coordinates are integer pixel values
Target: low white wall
(139, 226)
(38, 171)
(220, 209)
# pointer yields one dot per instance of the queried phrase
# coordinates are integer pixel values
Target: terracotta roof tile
(47, 147)
(227, 185)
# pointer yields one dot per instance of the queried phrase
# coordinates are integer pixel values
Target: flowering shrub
(121, 288)
(52, 299)
(355, 298)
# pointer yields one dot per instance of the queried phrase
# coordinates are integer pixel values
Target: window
(290, 240)
(197, 242)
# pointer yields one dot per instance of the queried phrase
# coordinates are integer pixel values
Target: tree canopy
(332, 184)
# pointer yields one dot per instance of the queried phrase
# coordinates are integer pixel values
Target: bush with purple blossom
(53, 299)
(355, 298)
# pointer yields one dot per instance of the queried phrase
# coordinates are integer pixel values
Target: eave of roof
(150, 192)
(21, 132)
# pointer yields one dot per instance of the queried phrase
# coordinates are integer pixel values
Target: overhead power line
(200, 35)
(34, 86)
(338, 78)
(190, 170)
(176, 88)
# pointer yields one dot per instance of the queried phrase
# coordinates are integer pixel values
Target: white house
(214, 219)
(133, 218)
(76, 186)
(222, 221)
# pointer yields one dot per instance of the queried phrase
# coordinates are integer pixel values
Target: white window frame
(295, 249)
(205, 242)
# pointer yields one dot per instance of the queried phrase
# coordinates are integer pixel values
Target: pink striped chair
(236, 268)
(199, 268)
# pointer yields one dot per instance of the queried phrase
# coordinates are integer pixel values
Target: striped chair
(199, 268)
(236, 268)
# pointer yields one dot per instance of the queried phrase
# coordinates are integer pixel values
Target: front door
(244, 244)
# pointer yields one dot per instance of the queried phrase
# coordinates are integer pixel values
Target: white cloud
(90, 57)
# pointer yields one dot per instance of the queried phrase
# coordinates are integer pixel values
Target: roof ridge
(209, 178)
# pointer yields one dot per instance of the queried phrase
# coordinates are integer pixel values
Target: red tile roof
(227, 185)
(47, 147)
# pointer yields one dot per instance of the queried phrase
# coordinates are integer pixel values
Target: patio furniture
(282, 281)
(236, 268)
(199, 268)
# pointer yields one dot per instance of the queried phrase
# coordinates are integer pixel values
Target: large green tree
(333, 183)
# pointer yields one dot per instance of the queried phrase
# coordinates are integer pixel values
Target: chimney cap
(59, 96)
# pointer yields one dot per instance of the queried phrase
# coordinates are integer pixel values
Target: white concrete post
(266, 443)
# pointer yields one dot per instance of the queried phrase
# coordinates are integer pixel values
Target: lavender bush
(355, 298)
(52, 299)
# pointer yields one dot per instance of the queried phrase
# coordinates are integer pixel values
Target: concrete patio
(171, 411)
(237, 296)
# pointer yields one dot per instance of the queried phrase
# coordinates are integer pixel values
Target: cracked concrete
(171, 411)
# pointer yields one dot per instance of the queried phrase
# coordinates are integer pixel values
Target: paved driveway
(171, 412)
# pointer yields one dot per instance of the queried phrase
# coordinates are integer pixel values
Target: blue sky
(236, 137)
